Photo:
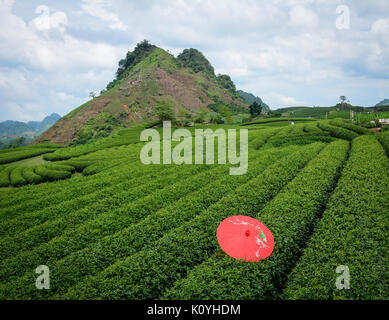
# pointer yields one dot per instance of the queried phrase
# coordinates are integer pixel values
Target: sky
(288, 52)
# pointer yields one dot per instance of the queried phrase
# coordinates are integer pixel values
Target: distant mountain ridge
(384, 102)
(15, 129)
(250, 98)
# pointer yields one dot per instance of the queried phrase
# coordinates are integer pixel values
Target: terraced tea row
(147, 273)
(25, 235)
(125, 239)
(86, 191)
(291, 216)
(353, 232)
(131, 166)
(384, 139)
(337, 132)
(90, 164)
(11, 155)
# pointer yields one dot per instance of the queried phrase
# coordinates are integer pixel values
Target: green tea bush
(124, 137)
(337, 132)
(298, 140)
(30, 176)
(352, 232)
(108, 223)
(48, 195)
(32, 226)
(5, 176)
(101, 166)
(261, 137)
(147, 273)
(51, 175)
(131, 239)
(290, 216)
(16, 177)
(384, 139)
(79, 164)
(16, 154)
(61, 167)
(350, 126)
(312, 128)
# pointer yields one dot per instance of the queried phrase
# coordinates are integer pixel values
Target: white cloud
(46, 21)
(26, 44)
(97, 8)
(285, 51)
(302, 17)
(289, 101)
(52, 69)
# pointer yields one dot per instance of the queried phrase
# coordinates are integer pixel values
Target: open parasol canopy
(246, 238)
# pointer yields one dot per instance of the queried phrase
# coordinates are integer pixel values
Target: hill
(10, 130)
(146, 77)
(337, 111)
(384, 102)
(250, 98)
(329, 112)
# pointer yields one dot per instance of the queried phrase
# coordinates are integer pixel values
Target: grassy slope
(28, 162)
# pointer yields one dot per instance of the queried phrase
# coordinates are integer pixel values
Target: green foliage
(118, 229)
(384, 139)
(17, 143)
(142, 50)
(148, 272)
(350, 126)
(366, 118)
(123, 137)
(352, 232)
(61, 167)
(226, 83)
(30, 176)
(299, 134)
(184, 117)
(195, 60)
(337, 132)
(255, 109)
(274, 114)
(99, 127)
(51, 174)
(216, 118)
(291, 216)
(340, 115)
(113, 246)
(164, 111)
(5, 176)
(270, 120)
(16, 177)
(12, 155)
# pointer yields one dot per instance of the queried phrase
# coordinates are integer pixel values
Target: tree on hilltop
(142, 49)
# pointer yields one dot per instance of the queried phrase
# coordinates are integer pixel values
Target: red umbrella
(245, 238)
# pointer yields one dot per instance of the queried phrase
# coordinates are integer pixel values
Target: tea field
(110, 227)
